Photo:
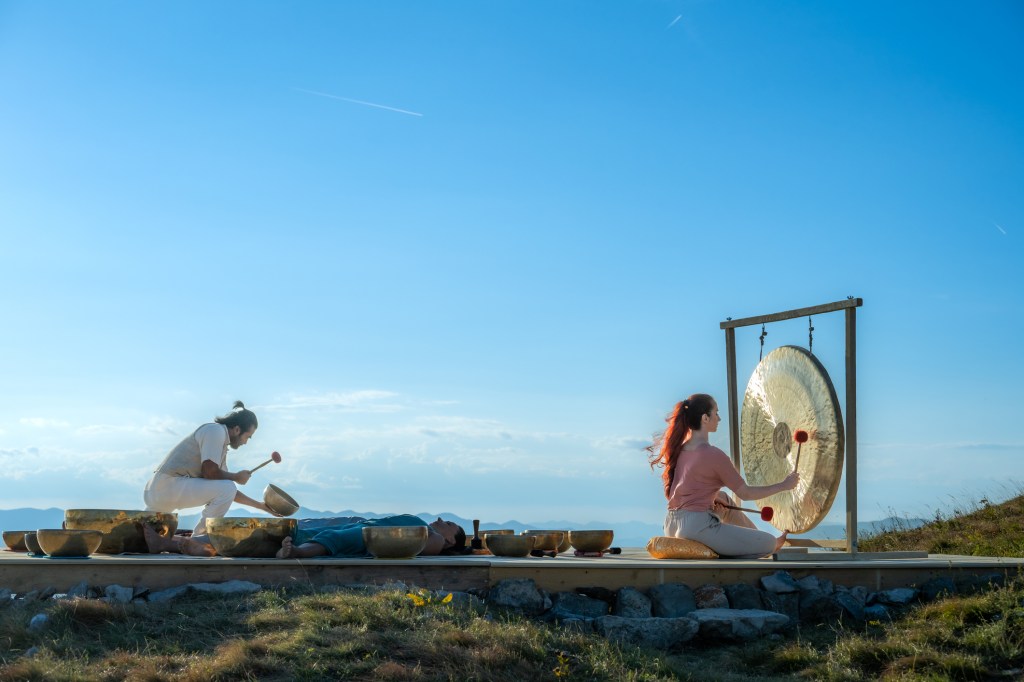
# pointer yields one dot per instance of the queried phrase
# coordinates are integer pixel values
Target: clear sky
(464, 257)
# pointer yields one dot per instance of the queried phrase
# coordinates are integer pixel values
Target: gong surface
(788, 391)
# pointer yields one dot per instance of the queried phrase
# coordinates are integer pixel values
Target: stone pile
(663, 617)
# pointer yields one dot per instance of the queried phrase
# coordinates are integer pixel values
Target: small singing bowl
(32, 544)
(15, 540)
(498, 531)
(242, 536)
(61, 542)
(563, 544)
(395, 542)
(549, 540)
(591, 540)
(511, 545)
(121, 528)
(280, 501)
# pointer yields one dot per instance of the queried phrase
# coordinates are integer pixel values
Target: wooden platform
(21, 573)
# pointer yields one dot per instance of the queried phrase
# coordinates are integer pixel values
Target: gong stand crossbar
(849, 306)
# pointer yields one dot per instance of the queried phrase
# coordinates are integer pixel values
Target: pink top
(698, 477)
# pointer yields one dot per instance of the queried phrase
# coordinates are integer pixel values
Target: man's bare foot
(157, 543)
(781, 540)
(287, 548)
(195, 547)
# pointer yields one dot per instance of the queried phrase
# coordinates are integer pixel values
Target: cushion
(663, 547)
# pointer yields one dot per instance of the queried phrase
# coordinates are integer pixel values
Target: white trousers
(171, 493)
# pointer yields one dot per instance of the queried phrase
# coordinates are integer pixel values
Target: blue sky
(465, 257)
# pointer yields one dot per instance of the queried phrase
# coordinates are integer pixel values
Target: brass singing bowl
(240, 536)
(32, 544)
(122, 529)
(547, 540)
(61, 542)
(395, 542)
(15, 540)
(561, 545)
(591, 540)
(498, 531)
(511, 545)
(280, 501)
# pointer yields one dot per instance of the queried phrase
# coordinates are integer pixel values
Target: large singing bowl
(591, 540)
(61, 542)
(550, 540)
(238, 536)
(122, 529)
(395, 542)
(511, 545)
(15, 540)
(279, 501)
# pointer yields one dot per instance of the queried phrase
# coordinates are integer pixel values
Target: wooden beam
(790, 314)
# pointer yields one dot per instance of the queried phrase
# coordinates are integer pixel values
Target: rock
(118, 594)
(168, 594)
(787, 604)
(937, 588)
(632, 603)
(79, 590)
(972, 584)
(818, 607)
(583, 626)
(779, 582)
(228, 587)
(395, 585)
(738, 625)
(602, 593)
(671, 600)
(897, 596)
(743, 596)
(520, 594)
(850, 604)
(38, 622)
(6, 597)
(460, 600)
(31, 651)
(657, 633)
(710, 597)
(572, 605)
(876, 612)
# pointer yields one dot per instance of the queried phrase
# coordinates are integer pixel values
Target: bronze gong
(790, 391)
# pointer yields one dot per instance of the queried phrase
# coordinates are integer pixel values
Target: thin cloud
(43, 422)
(999, 227)
(359, 101)
(674, 22)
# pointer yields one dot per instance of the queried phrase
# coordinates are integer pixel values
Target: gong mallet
(767, 513)
(275, 457)
(800, 437)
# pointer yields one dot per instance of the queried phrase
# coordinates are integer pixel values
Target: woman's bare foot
(781, 540)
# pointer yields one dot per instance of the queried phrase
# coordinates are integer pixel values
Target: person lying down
(331, 537)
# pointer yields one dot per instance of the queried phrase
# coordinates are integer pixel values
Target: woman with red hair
(695, 472)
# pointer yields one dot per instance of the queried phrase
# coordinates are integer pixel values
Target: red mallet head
(800, 436)
(276, 456)
(767, 513)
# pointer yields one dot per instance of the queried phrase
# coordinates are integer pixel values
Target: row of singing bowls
(395, 542)
(55, 542)
(241, 536)
(121, 529)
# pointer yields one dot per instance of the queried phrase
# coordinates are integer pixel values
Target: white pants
(171, 493)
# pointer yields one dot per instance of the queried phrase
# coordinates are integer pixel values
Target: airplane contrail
(999, 227)
(674, 22)
(357, 101)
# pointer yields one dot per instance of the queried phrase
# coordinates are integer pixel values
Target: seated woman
(346, 539)
(695, 473)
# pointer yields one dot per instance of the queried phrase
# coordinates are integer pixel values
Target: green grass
(338, 634)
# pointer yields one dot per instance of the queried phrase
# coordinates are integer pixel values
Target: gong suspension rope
(764, 333)
(810, 336)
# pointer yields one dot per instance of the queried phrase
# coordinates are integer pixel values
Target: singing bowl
(15, 540)
(280, 501)
(511, 545)
(242, 536)
(498, 531)
(32, 544)
(591, 540)
(122, 529)
(559, 545)
(61, 542)
(395, 542)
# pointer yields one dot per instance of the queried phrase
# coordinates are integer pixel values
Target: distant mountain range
(627, 533)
